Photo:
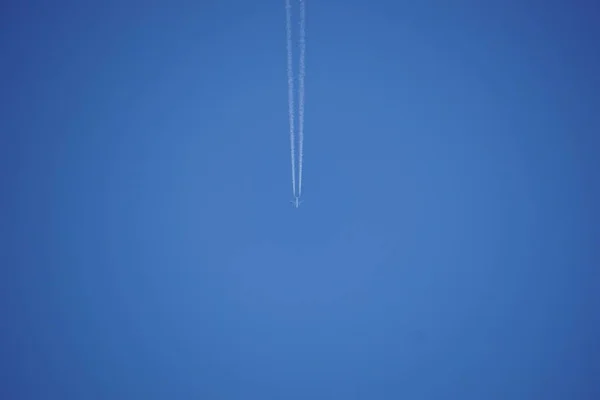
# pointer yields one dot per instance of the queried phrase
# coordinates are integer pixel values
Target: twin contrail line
(301, 74)
(296, 189)
(290, 82)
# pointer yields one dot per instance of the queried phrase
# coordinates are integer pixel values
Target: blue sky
(447, 246)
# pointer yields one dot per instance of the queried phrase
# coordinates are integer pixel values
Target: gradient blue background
(447, 247)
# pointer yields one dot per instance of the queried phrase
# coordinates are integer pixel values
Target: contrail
(290, 78)
(301, 75)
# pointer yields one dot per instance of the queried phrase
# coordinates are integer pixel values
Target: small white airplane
(296, 202)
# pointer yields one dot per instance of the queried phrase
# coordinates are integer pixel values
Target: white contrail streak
(290, 78)
(301, 74)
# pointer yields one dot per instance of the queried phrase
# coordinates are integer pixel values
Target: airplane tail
(296, 202)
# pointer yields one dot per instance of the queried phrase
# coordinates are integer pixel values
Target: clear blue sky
(447, 247)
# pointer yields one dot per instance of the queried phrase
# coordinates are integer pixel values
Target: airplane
(296, 202)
